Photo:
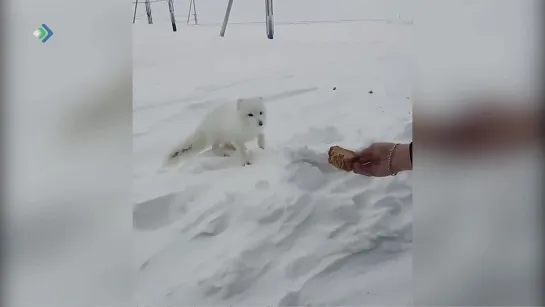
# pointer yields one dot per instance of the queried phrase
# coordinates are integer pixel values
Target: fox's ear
(239, 103)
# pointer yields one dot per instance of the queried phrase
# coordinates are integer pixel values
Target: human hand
(382, 159)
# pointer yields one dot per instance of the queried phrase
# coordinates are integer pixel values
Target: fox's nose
(260, 123)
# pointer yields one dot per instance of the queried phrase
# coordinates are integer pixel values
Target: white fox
(225, 128)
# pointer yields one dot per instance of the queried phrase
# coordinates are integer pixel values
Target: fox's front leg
(243, 154)
(261, 141)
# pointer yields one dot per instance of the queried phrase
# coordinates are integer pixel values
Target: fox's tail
(190, 147)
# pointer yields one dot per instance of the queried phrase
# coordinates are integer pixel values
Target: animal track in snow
(214, 226)
(306, 177)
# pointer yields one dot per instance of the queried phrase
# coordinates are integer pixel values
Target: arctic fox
(226, 128)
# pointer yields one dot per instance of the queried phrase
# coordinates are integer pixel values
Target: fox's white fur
(225, 128)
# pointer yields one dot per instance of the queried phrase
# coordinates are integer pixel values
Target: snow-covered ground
(289, 229)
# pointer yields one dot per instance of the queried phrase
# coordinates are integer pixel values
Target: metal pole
(134, 16)
(148, 11)
(269, 18)
(189, 13)
(226, 19)
(195, 12)
(172, 19)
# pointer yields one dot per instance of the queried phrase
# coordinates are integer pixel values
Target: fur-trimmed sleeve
(411, 151)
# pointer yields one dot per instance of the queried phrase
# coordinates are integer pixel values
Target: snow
(289, 229)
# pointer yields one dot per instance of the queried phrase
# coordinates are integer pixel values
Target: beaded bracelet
(390, 160)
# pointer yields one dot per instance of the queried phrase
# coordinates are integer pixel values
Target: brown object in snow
(341, 158)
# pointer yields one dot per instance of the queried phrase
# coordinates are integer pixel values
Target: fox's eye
(260, 113)
(250, 115)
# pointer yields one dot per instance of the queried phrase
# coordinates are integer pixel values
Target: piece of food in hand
(341, 158)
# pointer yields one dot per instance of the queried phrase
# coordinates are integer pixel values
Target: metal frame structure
(192, 6)
(135, 7)
(148, 11)
(269, 18)
(170, 8)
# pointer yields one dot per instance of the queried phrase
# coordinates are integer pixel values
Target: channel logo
(43, 33)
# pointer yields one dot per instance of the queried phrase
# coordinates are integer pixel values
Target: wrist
(401, 158)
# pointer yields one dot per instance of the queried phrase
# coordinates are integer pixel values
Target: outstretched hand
(382, 159)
